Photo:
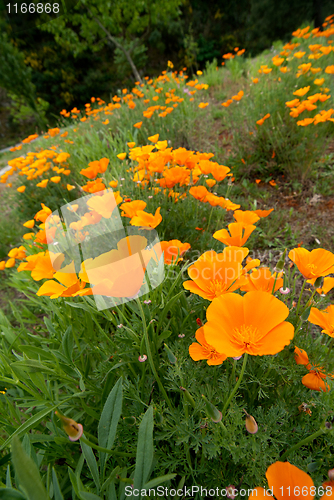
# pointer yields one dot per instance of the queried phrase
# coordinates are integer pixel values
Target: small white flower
(284, 291)
(142, 358)
(181, 335)
(120, 325)
(147, 301)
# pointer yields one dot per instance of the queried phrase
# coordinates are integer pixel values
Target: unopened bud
(251, 424)
(172, 359)
(188, 396)
(212, 411)
(318, 282)
(306, 314)
(72, 428)
(281, 262)
(129, 420)
(331, 474)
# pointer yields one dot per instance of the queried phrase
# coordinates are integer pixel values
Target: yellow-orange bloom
(138, 124)
(199, 192)
(29, 224)
(318, 262)
(202, 350)
(173, 250)
(203, 105)
(121, 156)
(239, 234)
(55, 179)
(245, 217)
(325, 319)
(314, 380)
(43, 183)
(262, 279)
(214, 274)
(302, 91)
(301, 357)
(105, 204)
(132, 207)
(154, 138)
(147, 220)
(252, 324)
(43, 214)
(21, 189)
(284, 477)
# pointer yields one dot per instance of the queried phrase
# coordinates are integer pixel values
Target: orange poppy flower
(43, 183)
(263, 213)
(245, 217)
(21, 189)
(318, 262)
(219, 172)
(239, 234)
(252, 324)
(262, 279)
(301, 357)
(147, 220)
(173, 250)
(199, 192)
(56, 179)
(94, 186)
(132, 207)
(302, 91)
(210, 182)
(202, 350)
(325, 319)
(68, 284)
(69, 187)
(284, 477)
(314, 380)
(154, 138)
(43, 214)
(138, 124)
(215, 274)
(105, 204)
(121, 156)
(203, 105)
(118, 273)
(227, 204)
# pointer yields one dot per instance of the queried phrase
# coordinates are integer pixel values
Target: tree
(125, 24)
(15, 77)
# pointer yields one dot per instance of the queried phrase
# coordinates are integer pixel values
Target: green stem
(329, 349)
(150, 359)
(302, 443)
(300, 298)
(236, 387)
(233, 370)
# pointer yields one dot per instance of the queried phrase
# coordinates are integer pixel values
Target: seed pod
(251, 424)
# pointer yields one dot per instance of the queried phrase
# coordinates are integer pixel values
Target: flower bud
(72, 428)
(172, 359)
(251, 424)
(212, 411)
(331, 474)
(318, 282)
(281, 261)
(129, 420)
(188, 396)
